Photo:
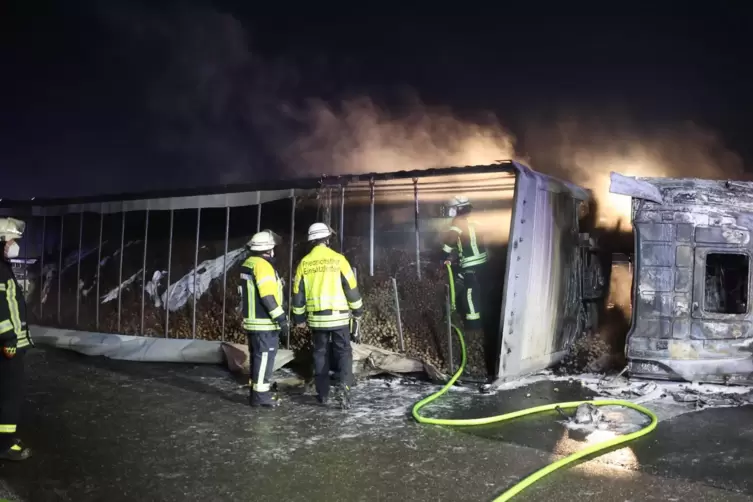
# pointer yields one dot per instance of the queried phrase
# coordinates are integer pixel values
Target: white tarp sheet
(130, 348)
(367, 359)
(200, 278)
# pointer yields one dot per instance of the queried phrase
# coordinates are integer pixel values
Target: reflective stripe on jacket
(325, 289)
(262, 295)
(12, 309)
(463, 238)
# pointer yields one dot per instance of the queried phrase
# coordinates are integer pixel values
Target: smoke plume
(359, 136)
(586, 150)
(219, 113)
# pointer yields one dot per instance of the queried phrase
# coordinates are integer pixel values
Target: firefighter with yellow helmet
(263, 315)
(464, 248)
(14, 340)
(325, 294)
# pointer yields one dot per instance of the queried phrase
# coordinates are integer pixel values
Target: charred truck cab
(692, 317)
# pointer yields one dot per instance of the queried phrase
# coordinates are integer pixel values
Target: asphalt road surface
(112, 431)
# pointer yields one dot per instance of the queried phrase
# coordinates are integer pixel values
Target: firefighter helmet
(318, 231)
(456, 203)
(11, 228)
(263, 241)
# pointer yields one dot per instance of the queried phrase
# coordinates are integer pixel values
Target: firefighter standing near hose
(15, 340)
(465, 251)
(325, 294)
(263, 315)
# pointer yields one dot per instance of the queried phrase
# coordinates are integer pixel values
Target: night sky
(110, 97)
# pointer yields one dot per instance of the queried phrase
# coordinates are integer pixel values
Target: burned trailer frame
(541, 291)
(692, 317)
(542, 297)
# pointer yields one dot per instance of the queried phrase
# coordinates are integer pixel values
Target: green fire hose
(536, 476)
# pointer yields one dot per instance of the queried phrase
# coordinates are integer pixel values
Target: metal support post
(120, 266)
(60, 263)
(143, 268)
(342, 218)
(418, 234)
(258, 211)
(195, 267)
(99, 257)
(224, 267)
(169, 267)
(448, 306)
(78, 265)
(371, 228)
(399, 319)
(41, 267)
(290, 261)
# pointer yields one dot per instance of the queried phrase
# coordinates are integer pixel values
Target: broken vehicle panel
(692, 317)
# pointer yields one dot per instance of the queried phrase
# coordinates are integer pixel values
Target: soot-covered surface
(110, 430)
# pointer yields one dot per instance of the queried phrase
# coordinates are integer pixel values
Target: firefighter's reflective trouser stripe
(262, 348)
(11, 396)
(13, 324)
(470, 300)
(338, 340)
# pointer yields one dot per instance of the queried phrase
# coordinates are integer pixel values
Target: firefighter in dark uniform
(465, 250)
(325, 295)
(263, 315)
(15, 341)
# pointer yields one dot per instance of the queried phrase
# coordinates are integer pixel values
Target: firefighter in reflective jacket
(15, 340)
(325, 294)
(463, 245)
(263, 315)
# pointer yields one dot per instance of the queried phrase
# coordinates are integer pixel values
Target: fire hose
(590, 451)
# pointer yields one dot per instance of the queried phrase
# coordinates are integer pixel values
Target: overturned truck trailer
(692, 317)
(167, 264)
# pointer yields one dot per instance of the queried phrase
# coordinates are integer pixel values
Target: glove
(284, 327)
(355, 330)
(9, 349)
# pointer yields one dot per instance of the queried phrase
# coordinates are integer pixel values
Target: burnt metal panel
(543, 269)
(687, 342)
(722, 235)
(720, 330)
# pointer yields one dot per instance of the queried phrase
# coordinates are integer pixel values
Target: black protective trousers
(12, 388)
(262, 348)
(337, 343)
(468, 299)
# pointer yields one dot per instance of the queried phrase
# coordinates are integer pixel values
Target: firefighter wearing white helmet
(325, 294)
(15, 340)
(464, 247)
(263, 315)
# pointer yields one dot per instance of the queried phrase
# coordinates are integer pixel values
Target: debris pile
(590, 353)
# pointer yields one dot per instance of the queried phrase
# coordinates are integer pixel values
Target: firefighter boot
(16, 452)
(342, 393)
(264, 399)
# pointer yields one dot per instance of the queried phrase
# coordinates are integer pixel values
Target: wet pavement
(111, 430)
